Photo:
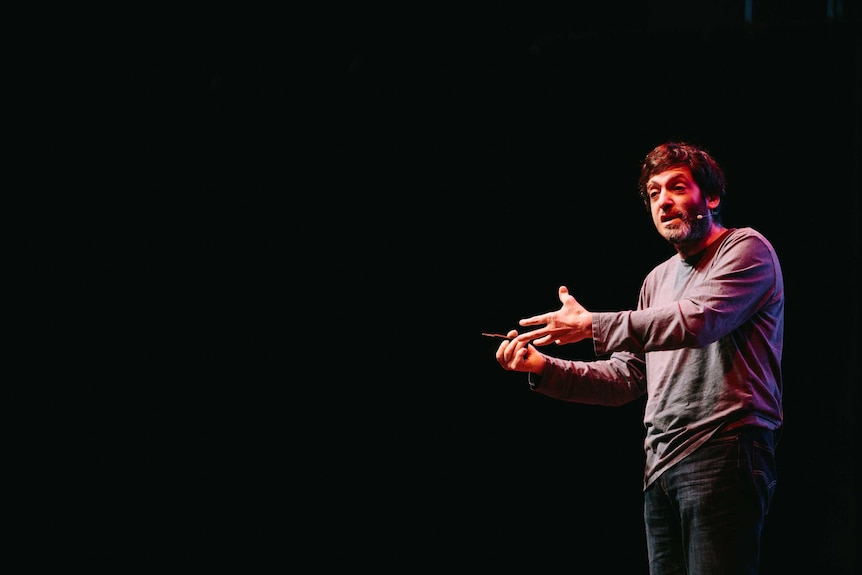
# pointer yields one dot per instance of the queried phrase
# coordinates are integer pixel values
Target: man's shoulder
(737, 235)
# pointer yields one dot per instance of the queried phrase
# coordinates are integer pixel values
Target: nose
(663, 201)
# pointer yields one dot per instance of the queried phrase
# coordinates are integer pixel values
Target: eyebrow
(651, 183)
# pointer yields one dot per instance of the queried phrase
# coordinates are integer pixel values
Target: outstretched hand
(570, 324)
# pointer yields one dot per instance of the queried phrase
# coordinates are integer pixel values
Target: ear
(712, 202)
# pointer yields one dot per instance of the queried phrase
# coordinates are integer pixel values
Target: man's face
(675, 204)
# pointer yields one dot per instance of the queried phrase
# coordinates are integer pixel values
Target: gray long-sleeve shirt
(704, 344)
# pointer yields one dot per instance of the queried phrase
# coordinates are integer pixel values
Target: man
(704, 345)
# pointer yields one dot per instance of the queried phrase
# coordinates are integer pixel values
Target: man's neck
(687, 250)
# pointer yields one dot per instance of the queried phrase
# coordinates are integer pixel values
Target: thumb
(564, 292)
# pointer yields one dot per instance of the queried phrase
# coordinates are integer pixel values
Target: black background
(260, 246)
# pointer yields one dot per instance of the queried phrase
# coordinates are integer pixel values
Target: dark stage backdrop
(260, 247)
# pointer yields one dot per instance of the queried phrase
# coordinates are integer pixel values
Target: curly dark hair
(704, 169)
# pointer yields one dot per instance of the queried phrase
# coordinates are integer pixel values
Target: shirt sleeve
(614, 381)
(740, 278)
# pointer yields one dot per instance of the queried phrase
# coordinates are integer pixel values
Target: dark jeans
(705, 514)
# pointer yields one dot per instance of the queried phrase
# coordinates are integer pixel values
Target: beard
(688, 231)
